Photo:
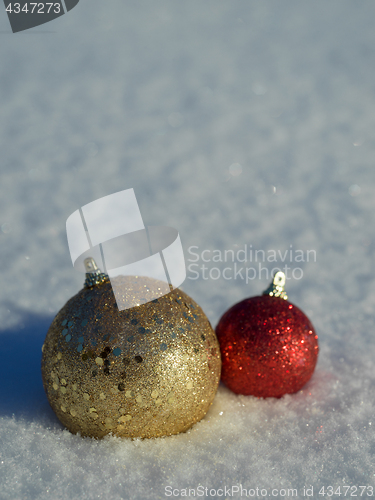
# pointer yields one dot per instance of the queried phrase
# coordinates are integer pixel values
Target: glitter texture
(148, 371)
(269, 347)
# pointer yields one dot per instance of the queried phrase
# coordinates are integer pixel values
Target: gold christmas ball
(148, 371)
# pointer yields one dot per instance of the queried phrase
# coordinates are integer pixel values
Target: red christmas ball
(268, 346)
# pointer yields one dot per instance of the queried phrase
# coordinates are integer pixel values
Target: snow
(238, 123)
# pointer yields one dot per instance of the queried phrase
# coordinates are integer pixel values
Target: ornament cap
(94, 276)
(277, 287)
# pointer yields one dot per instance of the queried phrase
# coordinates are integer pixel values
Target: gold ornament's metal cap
(276, 288)
(94, 276)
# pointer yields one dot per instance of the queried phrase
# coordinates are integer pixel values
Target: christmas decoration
(268, 346)
(148, 371)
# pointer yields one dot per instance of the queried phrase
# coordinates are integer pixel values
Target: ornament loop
(94, 276)
(277, 287)
(90, 265)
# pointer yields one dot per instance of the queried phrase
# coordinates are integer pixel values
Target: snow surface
(236, 122)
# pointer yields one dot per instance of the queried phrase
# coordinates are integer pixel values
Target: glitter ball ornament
(152, 370)
(268, 346)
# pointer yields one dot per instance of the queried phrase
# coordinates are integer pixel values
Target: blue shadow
(21, 388)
